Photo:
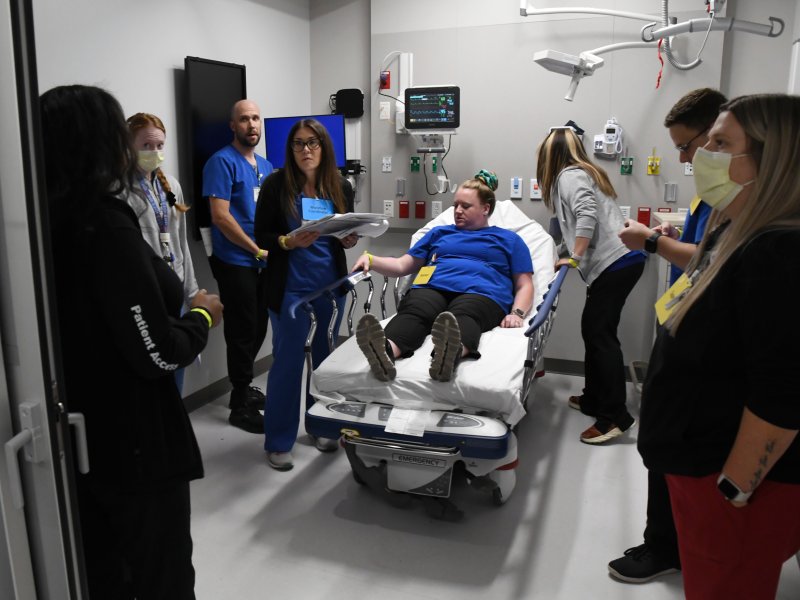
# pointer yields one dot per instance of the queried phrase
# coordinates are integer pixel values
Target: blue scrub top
(693, 229)
(310, 268)
(227, 175)
(480, 261)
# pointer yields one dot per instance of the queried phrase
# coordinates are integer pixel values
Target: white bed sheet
(492, 383)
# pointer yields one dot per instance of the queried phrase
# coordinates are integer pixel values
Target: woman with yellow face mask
(720, 410)
(157, 200)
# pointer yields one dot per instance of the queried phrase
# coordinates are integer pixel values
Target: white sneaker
(326, 444)
(280, 461)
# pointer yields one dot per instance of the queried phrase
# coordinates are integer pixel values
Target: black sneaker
(247, 419)
(640, 565)
(255, 398)
(251, 397)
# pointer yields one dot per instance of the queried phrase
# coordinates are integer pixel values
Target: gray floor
(313, 533)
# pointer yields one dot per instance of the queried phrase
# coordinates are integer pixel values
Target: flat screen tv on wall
(212, 87)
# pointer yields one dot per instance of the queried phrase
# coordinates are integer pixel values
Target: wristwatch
(519, 312)
(730, 490)
(651, 243)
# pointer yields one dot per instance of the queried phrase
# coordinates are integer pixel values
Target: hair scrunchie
(487, 177)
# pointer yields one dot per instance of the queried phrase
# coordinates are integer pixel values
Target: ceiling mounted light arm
(650, 34)
(578, 67)
(526, 10)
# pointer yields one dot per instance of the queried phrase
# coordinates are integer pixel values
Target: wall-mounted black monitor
(276, 130)
(433, 107)
(212, 88)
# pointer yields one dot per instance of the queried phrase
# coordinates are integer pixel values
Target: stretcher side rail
(349, 281)
(539, 330)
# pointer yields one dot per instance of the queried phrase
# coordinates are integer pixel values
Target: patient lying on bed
(471, 278)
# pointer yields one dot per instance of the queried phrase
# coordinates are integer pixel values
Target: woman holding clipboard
(308, 188)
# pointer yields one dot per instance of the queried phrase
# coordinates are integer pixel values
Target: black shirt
(737, 347)
(122, 338)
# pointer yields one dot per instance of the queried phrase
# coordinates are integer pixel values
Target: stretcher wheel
(497, 497)
(506, 480)
(357, 478)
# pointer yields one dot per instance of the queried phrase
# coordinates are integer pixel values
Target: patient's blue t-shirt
(480, 261)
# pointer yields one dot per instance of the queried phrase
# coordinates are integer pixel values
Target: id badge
(424, 275)
(667, 303)
(316, 208)
(256, 191)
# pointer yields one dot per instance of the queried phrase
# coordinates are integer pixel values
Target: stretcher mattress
(491, 384)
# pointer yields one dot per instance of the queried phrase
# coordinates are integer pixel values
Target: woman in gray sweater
(582, 197)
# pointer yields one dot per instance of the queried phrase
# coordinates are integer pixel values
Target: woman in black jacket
(122, 338)
(307, 188)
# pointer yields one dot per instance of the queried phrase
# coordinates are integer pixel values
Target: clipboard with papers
(342, 225)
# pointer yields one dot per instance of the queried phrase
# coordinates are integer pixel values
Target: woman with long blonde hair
(720, 409)
(582, 197)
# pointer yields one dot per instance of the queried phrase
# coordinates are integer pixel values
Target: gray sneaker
(280, 461)
(446, 337)
(372, 341)
(324, 444)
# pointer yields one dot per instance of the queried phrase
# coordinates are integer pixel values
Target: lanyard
(161, 210)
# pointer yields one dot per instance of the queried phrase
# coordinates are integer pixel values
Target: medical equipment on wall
(609, 143)
(587, 62)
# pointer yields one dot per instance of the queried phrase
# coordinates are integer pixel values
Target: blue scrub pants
(285, 381)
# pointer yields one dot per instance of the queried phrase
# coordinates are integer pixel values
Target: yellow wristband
(261, 254)
(572, 263)
(369, 257)
(282, 242)
(205, 313)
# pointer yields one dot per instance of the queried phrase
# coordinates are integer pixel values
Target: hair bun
(487, 177)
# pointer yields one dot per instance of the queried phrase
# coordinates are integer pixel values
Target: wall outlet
(670, 192)
(386, 164)
(626, 211)
(516, 188)
(401, 187)
(414, 164)
(386, 111)
(388, 208)
(535, 190)
(436, 208)
(626, 165)
(653, 165)
(688, 169)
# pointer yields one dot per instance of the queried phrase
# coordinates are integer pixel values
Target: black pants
(243, 291)
(660, 534)
(420, 307)
(604, 395)
(137, 544)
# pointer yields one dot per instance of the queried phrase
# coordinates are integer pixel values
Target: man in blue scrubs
(688, 123)
(231, 180)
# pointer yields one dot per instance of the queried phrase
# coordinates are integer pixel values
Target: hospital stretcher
(407, 437)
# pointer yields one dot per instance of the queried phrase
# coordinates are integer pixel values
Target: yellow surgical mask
(712, 178)
(150, 160)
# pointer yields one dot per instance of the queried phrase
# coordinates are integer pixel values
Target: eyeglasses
(312, 144)
(685, 147)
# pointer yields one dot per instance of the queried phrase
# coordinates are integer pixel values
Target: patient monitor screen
(432, 107)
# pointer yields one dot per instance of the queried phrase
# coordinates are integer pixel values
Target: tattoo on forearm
(769, 448)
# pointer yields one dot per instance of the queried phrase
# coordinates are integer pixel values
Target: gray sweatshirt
(583, 210)
(184, 268)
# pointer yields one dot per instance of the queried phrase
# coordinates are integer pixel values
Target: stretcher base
(400, 467)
